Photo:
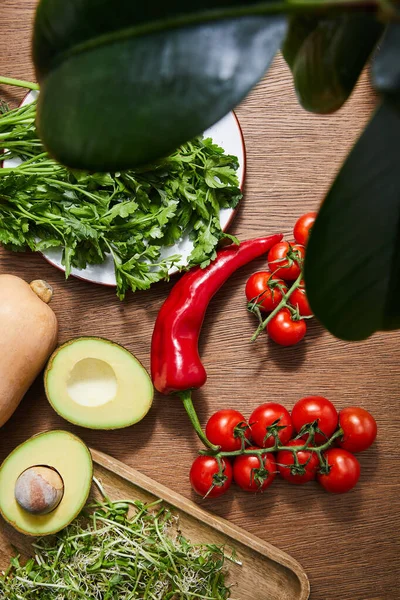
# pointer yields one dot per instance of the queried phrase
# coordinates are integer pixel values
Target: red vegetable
(304, 471)
(268, 415)
(299, 300)
(286, 330)
(175, 361)
(206, 479)
(265, 290)
(226, 428)
(343, 474)
(252, 474)
(303, 226)
(359, 429)
(315, 408)
(284, 259)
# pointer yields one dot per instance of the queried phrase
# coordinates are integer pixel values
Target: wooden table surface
(348, 544)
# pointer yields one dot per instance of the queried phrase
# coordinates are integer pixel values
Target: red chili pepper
(175, 362)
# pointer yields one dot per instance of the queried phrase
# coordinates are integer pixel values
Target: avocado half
(95, 383)
(62, 452)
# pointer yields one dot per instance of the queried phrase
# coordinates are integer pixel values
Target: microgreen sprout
(119, 549)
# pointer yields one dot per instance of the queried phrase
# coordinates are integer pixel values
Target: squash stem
(42, 289)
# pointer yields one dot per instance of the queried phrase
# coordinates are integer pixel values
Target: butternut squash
(28, 335)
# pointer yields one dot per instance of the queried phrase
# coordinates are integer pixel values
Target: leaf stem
(216, 14)
(29, 85)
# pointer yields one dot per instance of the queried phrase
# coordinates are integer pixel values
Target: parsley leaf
(132, 215)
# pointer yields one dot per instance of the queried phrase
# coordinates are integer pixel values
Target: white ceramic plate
(227, 134)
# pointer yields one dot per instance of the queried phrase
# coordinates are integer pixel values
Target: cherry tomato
(282, 260)
(359, 429)
(343, 474)
(223, 429)
(253, 474)
(205, 478)
(285, 330)
(316, 408)
(302, 227)
(266, 415)
(299, 300)
(308, 464)
(265, 289)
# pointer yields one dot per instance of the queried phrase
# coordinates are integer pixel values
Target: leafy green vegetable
(131, 215)
(126, 550)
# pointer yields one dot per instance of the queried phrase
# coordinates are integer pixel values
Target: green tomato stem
(282, 304)
(277, 448)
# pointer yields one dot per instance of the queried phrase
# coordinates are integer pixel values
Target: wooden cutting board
(264, 572)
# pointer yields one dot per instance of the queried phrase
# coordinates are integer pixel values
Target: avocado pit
(39, 490)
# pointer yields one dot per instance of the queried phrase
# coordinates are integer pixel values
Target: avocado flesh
(97, 384)
(65, 453)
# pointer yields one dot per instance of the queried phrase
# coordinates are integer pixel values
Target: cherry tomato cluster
(280, 290)
(314, 441)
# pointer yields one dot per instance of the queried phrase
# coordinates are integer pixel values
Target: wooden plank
(347, 544)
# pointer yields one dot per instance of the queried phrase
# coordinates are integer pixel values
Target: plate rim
(225, 228)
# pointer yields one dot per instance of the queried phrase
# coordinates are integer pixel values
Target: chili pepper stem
(29, 85)
(186, 398)
(281, 305)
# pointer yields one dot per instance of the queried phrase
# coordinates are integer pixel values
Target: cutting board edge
(189, 507)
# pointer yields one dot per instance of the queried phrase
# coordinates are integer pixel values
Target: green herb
(126, 550)
(132, 215)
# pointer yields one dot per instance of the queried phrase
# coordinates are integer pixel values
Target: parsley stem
(29, 85)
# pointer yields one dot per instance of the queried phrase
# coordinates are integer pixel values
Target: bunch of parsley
(132, 216)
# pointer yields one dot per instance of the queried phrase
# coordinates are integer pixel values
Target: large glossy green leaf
(299, 28)
(352, 268)
(386, 65)
(330, 60)
(123, 86)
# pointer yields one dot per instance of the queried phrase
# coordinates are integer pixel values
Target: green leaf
(299, 28)
(81, 230)
(219, 175)
(123, 87)
(45, 244)
(352, 267)
(121, 209)
(386, 65)
(331, 58)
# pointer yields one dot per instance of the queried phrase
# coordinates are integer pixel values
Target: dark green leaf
(331, 58)
(386, 65)
(352, 268)
(299, 28)
(122, 87)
